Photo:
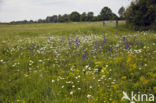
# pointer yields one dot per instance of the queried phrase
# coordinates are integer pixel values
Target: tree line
(140, 15)
(105, 14)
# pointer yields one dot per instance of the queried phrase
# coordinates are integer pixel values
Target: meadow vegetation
(75, 62)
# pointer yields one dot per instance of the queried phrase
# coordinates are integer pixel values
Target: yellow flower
(98, 63)
(123, 77)
(103, 69)
(129, 58)
(115, 86)
(132, 67)
(143, 80)
(17, 100)
(136, 84)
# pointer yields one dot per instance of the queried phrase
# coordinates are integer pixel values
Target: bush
(141, 15)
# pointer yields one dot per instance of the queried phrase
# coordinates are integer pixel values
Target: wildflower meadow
(75, 63)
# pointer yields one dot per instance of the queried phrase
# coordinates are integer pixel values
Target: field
(75, 63)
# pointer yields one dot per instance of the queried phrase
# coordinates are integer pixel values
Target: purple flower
(77, 41)
(31, 47)
(104, 40)
(84, 56)
(127, 45)
(94, 47)
(110, 51)
(124, 38)
(79, 54)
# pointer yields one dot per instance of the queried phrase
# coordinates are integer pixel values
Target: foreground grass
(75, 63)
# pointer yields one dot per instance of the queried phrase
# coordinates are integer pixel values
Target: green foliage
(52, 19)
(141, 15)
(106, 14)
(121, 12)
(75, 16)
(83, 16)
(90, 16)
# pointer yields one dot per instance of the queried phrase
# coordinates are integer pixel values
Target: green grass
(75, 63)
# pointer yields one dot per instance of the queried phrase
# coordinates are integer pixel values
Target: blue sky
(35, 9)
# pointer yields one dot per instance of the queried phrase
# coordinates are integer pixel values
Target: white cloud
(34, 9)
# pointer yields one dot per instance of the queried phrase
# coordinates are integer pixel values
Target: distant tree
(63, 18)
(106, 14)
(83, 17)
(121, 12)
(41, 21)
(49, 19)
(59, 18)
(141, 14)
(75, 16)
(90, 16)
(31, 21)
(95, 18)
(53, 18)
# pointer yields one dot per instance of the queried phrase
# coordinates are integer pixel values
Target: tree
(63, 18)
(83, 17)
(53, 18)
(114, 16)
(141, 14)
(121, 12)
(75, 16)
(106, 14)
(90, 16)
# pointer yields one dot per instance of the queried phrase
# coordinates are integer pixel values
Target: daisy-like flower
(71, 93)
(73, 86)
(53, 81)
(89, 96)
(90, 87)
(79, 88)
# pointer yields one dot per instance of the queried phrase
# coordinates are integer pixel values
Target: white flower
(90, 87)
(73, 86)
(113, 82)
(79, 88)
(68, 82)
(87, 66)
(53, 81)
(89, 96)
(71, 93)
(40, 60)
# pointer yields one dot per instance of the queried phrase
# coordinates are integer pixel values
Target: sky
(14, 10)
